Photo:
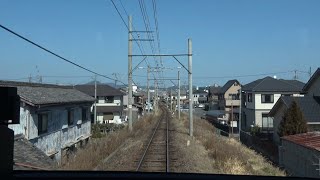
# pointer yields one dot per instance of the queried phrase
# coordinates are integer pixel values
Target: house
(309, 104)
(229, 99)
(53, 118)
(213, 97)
(260, 96)
(200, 97)
(109, 102)
(300, 154)
(26, 156)
(174, 97)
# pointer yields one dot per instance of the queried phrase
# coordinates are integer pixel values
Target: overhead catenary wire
(135, 40)
(53, 53)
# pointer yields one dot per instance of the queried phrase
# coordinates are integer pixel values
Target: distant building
(109, 102)
(200, 97)
(53, 118)
(229, 99)
(213, 97)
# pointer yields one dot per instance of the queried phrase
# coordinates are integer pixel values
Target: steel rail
(146, 150)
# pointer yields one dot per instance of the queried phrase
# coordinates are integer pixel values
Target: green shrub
(255, 130)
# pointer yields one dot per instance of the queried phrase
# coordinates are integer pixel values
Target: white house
(109, 102)
(260, 96)
(53, 118)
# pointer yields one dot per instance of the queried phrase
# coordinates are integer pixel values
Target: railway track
(155, 157)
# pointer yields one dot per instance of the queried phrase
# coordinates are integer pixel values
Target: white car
(201, 105)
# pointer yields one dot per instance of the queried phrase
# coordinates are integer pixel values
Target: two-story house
(109, 102)
(260, 96)
(229, 99)
(53, 118)
(309, 105)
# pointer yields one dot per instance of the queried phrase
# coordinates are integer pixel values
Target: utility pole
(231, 118)
(148, 88)
(178, 94)
(171, 99)
(295, 75)
(154, 98)
(310, 72)
(190, 87)
(130, 73)
(240, 112)
(30, 78)
(95, 100)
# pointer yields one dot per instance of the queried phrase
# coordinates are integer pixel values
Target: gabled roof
(214, 90)
(226, 86)
(309, 140)
(269, 84)
(46, 94)
(309, 105)
(315, 75)
(28, 157)
(199, 92)
(102, 90)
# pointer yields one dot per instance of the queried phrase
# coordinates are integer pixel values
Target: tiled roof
(269, 84)
(225, 87)
(43, 94)
(310, 140)
(215, 90)
(199, 92)
(308, 105)
(102, 90)
(28, 157)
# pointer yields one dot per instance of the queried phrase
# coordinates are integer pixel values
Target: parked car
(201, 105)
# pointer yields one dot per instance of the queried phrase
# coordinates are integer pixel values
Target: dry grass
(228, 155)
(98, 149)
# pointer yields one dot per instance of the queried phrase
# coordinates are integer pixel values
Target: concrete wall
(260, 105)
(116, 118)
(298, 160)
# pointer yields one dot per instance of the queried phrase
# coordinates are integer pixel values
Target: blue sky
(230, 38)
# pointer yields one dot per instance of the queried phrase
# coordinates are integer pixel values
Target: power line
(45, 49)
(140, 48)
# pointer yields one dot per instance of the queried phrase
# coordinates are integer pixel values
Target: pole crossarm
(141, 31)
(163, 79)
(173, 83)
(136, 67)
(141, 40)
(181, 64)
(158, 55)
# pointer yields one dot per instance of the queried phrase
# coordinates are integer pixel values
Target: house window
(42, 123)
(84, 113)
(267, 98)
(70, 116)
(109, 99)
(249, 97)
(267, 122)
